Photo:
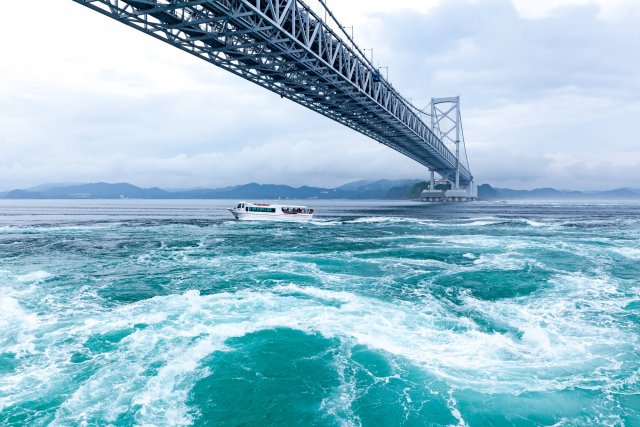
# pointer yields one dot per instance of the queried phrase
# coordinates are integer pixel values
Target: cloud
(489, 51)
(549, 89)
(563, 85)
(286, 162)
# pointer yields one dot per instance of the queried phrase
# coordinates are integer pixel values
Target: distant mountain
(486, 192)
(633, 190)
(354, 186)
(620, 193)
(359, 190)
(355, 190)
(100, 190)
(407, 192)
(382, 189)
(539, 193)
(50, 185)
(262, 191)
(381, 186)
(376, 189)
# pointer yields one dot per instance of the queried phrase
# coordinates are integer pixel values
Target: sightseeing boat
(247, 211)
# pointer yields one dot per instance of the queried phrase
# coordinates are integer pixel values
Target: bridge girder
(284, 46)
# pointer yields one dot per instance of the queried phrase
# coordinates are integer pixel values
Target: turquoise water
(375, 314)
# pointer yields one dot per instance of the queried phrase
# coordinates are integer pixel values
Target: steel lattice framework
(284, 46)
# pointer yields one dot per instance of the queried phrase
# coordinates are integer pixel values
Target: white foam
(322, 222)
(472, 241)
(164, 389)
(534, 223)
(16, 326)
(504, 261)
(537, 337)
(339, 405)
(36, 276)
(375, 220)
(389, 219)
(452, 404)
(628, 252)
(324, 294)
(476, 223)
(553, 344)
(12, 312)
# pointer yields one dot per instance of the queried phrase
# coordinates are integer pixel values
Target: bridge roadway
(284, 46)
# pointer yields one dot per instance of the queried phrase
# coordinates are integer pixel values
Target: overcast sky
(550, 97)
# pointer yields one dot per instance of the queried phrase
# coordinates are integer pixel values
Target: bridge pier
(466, 193)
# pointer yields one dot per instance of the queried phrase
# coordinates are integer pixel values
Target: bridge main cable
(284, 46)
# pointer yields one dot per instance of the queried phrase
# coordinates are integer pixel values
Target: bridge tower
(446, 124)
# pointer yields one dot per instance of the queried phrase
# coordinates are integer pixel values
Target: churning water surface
(375, 314)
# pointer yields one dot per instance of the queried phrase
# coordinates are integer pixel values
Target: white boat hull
(242, 215)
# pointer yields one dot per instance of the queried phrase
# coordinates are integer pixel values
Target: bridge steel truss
(284, 46)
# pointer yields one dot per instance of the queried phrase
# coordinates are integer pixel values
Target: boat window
(260, 209)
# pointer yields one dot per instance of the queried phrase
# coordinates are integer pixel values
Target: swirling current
(169, 313)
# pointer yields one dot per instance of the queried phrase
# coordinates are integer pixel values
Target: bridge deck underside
(285, 47)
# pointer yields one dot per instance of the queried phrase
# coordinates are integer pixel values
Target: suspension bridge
(286, 46)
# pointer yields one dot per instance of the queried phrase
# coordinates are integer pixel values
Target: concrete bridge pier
(466, 193)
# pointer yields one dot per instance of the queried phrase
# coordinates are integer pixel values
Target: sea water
(374, 314)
